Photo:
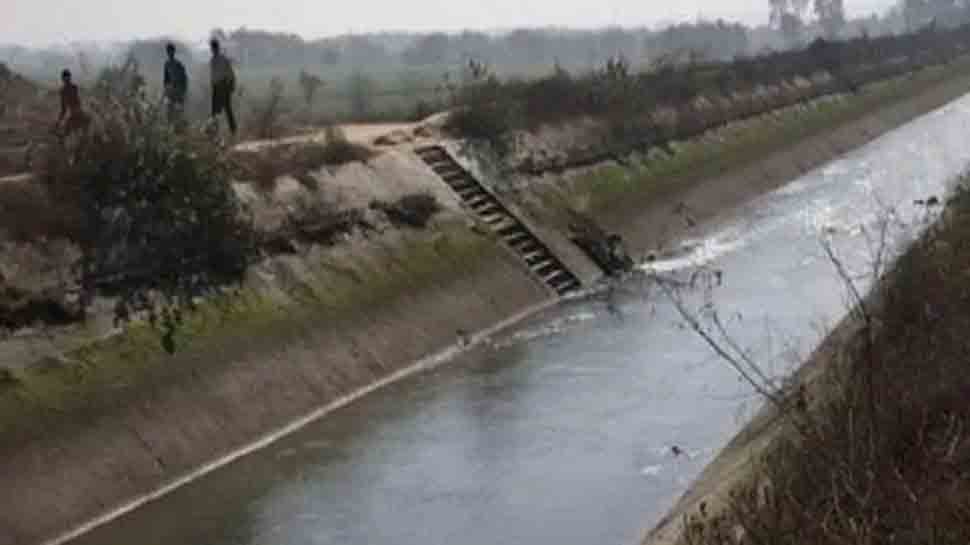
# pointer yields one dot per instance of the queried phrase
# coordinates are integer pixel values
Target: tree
(261, 48)
(920, 13)
(791, 28)
(363, 51)
(715, 40)
(527, 47)
(330, 56)
(786, 15)
(426, 50)
(310, 83)
(831, 16)
(84, 64)
(267, 113)
(473, 45)
(615, 41)
(361, 91)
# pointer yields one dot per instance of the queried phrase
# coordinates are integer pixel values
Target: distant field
(391, 92)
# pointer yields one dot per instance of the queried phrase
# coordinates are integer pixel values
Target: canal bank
(302, 338)
(872, 388)
(564, 429)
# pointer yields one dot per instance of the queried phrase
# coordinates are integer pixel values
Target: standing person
(223, 85)
(176, 81)
(72, 115)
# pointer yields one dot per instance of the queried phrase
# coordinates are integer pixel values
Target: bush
(268, 112)
(310, 84)
(265, 166)
(360, 88)
(423, 110)
(414, 210)
(160, 222)
(487, 122)
(488, 109)
(337, 150)
(484, 109)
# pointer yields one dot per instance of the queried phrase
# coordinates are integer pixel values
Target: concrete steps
(513, 232)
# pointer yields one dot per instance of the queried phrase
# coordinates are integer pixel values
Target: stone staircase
(513, 232)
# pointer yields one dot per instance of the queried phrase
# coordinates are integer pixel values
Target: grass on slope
(877, 450)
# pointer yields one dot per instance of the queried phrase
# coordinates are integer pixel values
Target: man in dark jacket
(176, 85)
(223, 84)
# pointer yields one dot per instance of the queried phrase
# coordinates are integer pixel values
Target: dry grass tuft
(265, 166)
(881, 452)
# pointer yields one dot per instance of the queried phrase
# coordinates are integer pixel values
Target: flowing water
(562, 430)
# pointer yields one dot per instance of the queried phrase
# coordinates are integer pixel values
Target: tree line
(792, 24)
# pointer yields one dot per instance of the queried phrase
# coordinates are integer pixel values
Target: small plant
(361, 91)
(267, 113)
(310, 84)
(485, 109)
(413, 210)
(422, 110)
(337, 150)
(7, 378)
(298, 160)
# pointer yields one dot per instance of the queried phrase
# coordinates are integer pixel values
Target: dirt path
(358, 133)
(367, 134)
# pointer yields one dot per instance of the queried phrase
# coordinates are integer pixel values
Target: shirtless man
(72, 115)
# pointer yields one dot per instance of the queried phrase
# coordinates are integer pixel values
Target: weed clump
(878, 449)
(336, 150)
(413, 210)
(298, 160)
(483, 112)
(8, 378)
(267, 113)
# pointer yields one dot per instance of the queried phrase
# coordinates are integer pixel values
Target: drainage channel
(513, 232)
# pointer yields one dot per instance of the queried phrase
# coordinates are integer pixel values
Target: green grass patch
(611, 187)
(111, 373)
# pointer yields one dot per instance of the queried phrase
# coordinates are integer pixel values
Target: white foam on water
(556, 327)
(704, 252)
(794, 188)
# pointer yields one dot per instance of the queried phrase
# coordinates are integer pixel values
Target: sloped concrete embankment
(114, 420)
(117, 419)
(654, 197)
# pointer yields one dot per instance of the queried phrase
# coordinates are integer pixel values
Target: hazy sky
(40, 22)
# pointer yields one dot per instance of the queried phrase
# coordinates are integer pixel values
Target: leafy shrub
(337, 150)
(160, 222)
(361, 90)
(422, 110)
(484, 108)
(266, 165)
(310, 84)
(7, 378)
(268, 112)
(413, 210)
